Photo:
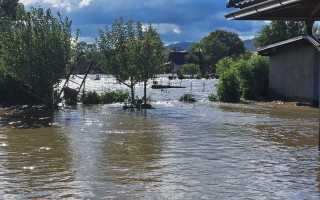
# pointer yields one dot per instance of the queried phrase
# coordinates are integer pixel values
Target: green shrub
(260, 68)
(224, 64)
(245, 78)
(241, 78)
(120, 95)
(150, 99)
(188, 98)
(106, 97)
(90, 98)
(114, 96)
(213, 98)
(228, 87)
(180, 74)
(190, 69)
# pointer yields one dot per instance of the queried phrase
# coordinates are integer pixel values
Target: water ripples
(177, 151)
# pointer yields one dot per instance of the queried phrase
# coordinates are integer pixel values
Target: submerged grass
(107, 97)
(187, 98)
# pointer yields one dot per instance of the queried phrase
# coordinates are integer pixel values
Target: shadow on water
(290, 126)
(24, 117)
(35, 163)
(133, 150)
(287, 138)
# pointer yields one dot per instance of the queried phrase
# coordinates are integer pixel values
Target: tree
(278, 31)
(217, 45)
(8, 9)
(89, 53)
(36, 49)
(117, 44)
(131, 54)
(191, 69)
(151, 56)
(191, 57)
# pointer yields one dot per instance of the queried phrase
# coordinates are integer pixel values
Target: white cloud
(246, 37)
(167, 28)
(68, 5)
(28, 2)
(84, 3)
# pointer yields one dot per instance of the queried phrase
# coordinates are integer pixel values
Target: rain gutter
(259, 8)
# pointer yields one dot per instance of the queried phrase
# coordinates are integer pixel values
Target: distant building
(293, 70)
(179, 58)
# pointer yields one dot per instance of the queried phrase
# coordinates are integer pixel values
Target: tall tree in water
(151, 56)
(36, 49)
(117, 43)
(131, 54)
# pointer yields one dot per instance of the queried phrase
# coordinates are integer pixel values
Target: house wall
(293, 73)
(177, 68)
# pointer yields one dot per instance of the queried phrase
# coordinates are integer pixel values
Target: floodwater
(201, 150)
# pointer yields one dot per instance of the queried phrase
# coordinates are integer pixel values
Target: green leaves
(217, 45)
(243, 78)
(37, 48)
(191, 69)
(187, 98)
(131, 53)
(279, 31)
(107, 97)
(8, 9)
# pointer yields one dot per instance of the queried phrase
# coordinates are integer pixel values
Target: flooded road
(202, 150)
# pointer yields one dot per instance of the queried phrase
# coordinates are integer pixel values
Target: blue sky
(175, 20)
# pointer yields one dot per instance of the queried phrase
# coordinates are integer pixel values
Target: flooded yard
(202, 150)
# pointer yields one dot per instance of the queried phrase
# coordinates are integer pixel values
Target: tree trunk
(145, 91)
(49, 101)
(132, 93)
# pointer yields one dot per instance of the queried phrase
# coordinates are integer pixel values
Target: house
(293, 70)
(178, 58)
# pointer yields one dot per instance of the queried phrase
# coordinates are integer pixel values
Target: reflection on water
(33, 162)
(177, 151)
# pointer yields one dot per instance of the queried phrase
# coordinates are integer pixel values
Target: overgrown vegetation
(35, 50)
(191, 69)
(90, 98)
(215, 46)
(213, 98)
(130, 53)
(187, 98)
(242, 79)
(107, 97)
(116, 96)
(278, 31)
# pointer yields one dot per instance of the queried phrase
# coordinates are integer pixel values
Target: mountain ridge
(184, 46)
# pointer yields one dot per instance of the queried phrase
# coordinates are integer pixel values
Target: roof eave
(254, 11)
(267, 50)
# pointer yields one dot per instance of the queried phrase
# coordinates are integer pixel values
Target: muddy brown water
(177, 151)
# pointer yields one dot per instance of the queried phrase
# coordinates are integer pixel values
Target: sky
(175, 20)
